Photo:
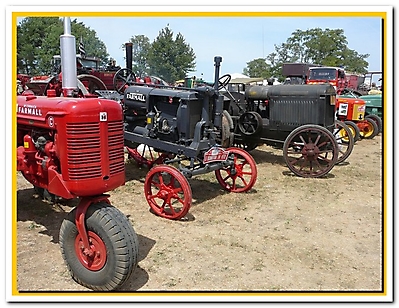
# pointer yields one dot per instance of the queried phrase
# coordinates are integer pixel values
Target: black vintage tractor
(179, 133)
(299, 119)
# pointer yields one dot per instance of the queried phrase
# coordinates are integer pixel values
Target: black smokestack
(129, 55)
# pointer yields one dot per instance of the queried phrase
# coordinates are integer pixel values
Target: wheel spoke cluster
(310, 151)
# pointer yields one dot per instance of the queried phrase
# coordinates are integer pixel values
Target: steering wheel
(224, 81)
(122, 78)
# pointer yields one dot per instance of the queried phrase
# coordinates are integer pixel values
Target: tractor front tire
(113, 242)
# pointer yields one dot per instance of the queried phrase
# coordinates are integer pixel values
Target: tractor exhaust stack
(68, 60)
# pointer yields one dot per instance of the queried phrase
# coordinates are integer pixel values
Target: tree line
(171, 58)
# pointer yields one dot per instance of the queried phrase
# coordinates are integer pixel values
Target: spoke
(317, 140)
(228, 176)
(243, 180)
(303, 140)
(246, 173)
(156, 184)
(160, 179)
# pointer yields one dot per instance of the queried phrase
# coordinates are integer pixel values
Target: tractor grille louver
(295, 113)
(116, 147)
(84, 150)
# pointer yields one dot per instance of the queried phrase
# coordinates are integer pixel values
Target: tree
(38, 40)
(141, 47)
(170, 59)
(257, 68)
(316, 46)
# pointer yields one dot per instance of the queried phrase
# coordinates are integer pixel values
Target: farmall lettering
(30, 110)
(136, 97)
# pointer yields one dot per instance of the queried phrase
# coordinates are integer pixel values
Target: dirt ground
(286, 234)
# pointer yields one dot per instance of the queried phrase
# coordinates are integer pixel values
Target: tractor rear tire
(115, 246)
(371, 131)
(355, 130)
(377, 120)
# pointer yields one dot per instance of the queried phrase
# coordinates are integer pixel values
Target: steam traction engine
(182, 128)
(73, 147)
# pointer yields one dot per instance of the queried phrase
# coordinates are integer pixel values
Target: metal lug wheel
(92, 83)
(241, 175)
(343, 135)
(167, 192)
(310, 151)
(146, 155)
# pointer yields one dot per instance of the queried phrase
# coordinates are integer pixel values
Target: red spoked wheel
(241, 176)
(167, 192)
(146, 155)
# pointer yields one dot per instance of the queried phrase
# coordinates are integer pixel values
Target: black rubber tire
(345, 141)
(352, 125)
(120, 240)
(377, 120)
(374, 131)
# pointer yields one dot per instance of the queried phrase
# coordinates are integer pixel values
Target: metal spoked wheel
(113, 253)
(123, 78)
(146, 155)
(343, 135)
(310, 151)
(92, 83)
(242, 175)
(167, 192)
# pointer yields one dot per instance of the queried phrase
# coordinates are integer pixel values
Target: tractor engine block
(72, 147)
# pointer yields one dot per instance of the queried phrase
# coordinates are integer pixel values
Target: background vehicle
(349, 110)
(72, 147)
(296, 118)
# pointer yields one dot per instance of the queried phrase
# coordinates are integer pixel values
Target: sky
(236, 40)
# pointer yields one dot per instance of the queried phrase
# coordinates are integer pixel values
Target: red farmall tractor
(349, 110)
(72, 147)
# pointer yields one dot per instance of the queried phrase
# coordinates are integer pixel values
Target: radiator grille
(116, 147)
(295, 112)
(84, 150)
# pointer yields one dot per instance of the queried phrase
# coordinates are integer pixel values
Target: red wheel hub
(95, 257)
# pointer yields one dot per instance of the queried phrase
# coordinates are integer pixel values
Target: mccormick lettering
(136, 96)
(29, 109)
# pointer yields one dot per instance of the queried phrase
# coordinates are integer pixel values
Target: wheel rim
(167, 192)
(310, 151)
(368, 130)
(241, 176)
(94, 258)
